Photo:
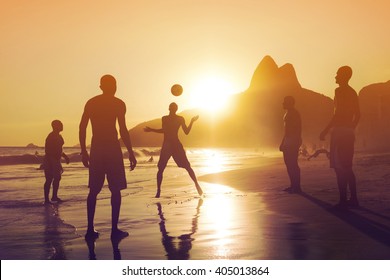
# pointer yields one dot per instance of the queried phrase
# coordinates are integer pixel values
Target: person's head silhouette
(288, 102)
(173, 108)
(108, 84)
(343, 75)
(57, 126)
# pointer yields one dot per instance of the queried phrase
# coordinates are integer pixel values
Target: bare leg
(91, 207)
(294, 172)
(193, 177)
(56, 185)
(352, 187)
(116, 200)
(159, 181)
(46, 189)
(342, 185)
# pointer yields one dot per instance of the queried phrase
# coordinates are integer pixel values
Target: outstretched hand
(147, 129)
(194, 119)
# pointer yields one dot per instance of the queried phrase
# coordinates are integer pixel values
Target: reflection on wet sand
(298, 235)
(52, 233)
(184, 245)
(226, 222)
(91, 243)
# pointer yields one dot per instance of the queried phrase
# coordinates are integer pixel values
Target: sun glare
(211, 93)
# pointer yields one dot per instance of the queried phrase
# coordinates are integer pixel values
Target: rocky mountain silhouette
(373, 132)
(255, 116)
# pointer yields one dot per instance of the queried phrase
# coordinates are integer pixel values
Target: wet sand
(244, 214)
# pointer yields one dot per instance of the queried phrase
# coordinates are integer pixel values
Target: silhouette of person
(343, 123)
(172, 146)
(291, 143)
(52, 161)
(106, 155)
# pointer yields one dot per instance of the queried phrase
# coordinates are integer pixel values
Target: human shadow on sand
(184, 244)
(375, 229)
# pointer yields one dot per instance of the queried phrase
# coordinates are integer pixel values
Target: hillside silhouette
(255, 116)
(373, 132)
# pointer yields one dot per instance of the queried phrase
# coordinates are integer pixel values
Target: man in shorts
(106, 154)
(290, 144)
(52, 161)
(172, 146)
(343, 123)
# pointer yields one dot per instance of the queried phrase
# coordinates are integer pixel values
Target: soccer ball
(176, 90)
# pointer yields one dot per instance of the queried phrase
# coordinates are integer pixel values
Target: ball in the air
(176, 89)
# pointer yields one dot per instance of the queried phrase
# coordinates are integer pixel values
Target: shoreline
(243, 215)
(370, 223)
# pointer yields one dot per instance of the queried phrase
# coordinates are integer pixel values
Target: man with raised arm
(172, 146)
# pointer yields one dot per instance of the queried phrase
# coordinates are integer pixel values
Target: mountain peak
(265, 71)
(267, 63)
(288, 76)
(268, 75)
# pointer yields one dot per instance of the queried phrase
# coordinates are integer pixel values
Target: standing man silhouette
(291, 143)
(52, 161)
(343, 123)
(172, 146)
(106, 154)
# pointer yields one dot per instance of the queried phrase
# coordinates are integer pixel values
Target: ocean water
(33, 231)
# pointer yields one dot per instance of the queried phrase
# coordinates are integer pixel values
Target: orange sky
(53, 53)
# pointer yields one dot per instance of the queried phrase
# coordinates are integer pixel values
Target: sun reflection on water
(214, 161)
(220, 213)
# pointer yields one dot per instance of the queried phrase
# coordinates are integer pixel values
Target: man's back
(292, 122)
(346, 106)
(53, 146)
(103, 111)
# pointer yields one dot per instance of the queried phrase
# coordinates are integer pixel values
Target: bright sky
(53, 53)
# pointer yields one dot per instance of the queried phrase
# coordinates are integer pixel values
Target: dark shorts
(53, 169)
(176, 151)
(342, 148)
(107, 160)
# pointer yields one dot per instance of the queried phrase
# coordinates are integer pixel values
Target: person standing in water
(172, 146)
(52, 161)
(291, 143)
(343, 123)
(106, 158)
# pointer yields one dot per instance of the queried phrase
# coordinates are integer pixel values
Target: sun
(211, 93)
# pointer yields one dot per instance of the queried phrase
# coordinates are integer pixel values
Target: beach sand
(244, 214)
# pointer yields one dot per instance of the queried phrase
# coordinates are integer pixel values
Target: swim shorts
(342, 147)
(53, 168)
(107, 160)
(175, 150)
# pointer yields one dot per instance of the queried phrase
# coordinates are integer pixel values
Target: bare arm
(82, 138)
(123, 131)
(66, 158)
(186, 128)
(149, 129)
(331, 122)
(327, 128)
(357, 116)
